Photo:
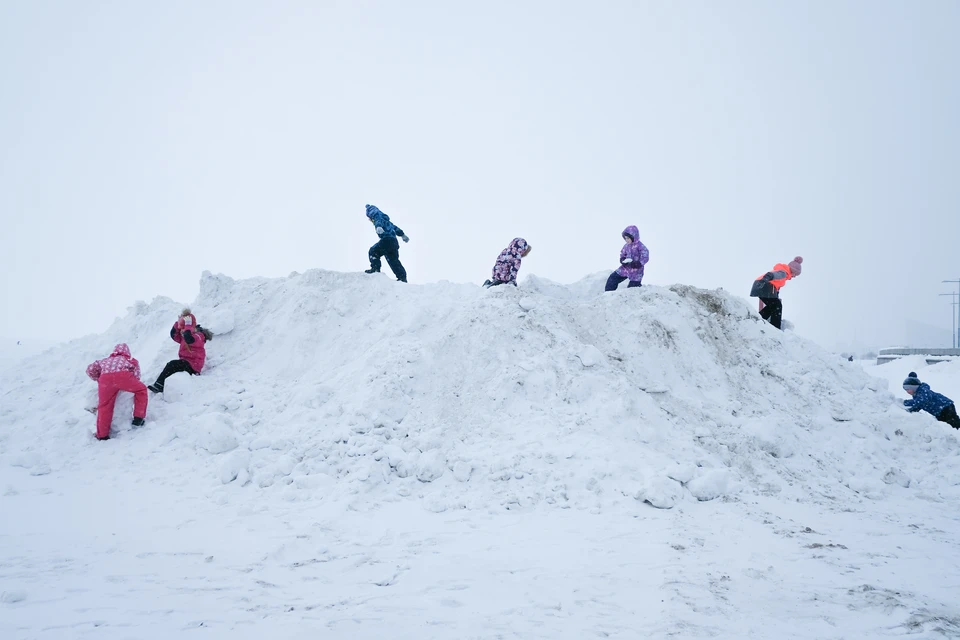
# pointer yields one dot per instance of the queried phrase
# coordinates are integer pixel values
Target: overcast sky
(142, 143)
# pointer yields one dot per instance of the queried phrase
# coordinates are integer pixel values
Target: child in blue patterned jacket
(925, 398)
(387, 247)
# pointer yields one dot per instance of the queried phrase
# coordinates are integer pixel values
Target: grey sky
(141, 143)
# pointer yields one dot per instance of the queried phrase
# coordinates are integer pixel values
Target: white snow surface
(363, 457)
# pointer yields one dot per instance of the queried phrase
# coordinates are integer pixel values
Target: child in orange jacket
(767, 288)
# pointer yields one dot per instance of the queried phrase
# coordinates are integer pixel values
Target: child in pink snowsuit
(508, 263)
(116, 373)
(193, 353)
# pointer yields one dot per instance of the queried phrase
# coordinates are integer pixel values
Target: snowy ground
(13, 351)
(364, 457)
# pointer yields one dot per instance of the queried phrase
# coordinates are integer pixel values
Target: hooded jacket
(192, 346)
(928, 400)
(117, 362)
(768, 285)
(508, 262)
(637, 254)
(385, 228)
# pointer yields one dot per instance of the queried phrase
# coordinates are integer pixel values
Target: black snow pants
(388, 248)
(949, 415)
(772, 311)
(615, 280)
(174, 366)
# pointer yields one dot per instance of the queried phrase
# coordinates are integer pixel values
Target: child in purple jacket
(632, 258)
(508, 263)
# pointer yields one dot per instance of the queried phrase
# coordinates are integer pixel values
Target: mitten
(187, 323)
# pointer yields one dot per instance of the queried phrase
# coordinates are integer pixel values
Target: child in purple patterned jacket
(508, 263)
(633, 256)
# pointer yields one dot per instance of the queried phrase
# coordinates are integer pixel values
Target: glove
(405, 238)
(379, 231)
(187, 322)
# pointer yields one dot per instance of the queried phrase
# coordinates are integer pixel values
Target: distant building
(933, 356)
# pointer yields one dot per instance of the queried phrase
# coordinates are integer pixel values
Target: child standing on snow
(387, 246)
(633, 257)
(115, 373)
(192, 338)
(767, 288)
(926, 399)
(508, 263)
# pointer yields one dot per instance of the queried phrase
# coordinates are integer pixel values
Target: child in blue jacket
(387, 247)
(925, 398)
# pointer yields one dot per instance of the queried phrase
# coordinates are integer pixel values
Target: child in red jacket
(192, 338)
(118, 372)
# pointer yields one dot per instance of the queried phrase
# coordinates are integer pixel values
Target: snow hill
(360, 392)
(468, 398)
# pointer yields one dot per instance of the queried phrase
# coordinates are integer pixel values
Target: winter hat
(912, 382)
(371, 210)
(795, 266)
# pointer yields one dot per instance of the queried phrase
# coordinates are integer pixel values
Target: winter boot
(137, 422)
(372, 270)
(156, 388)
(103, 438)
(401, 279)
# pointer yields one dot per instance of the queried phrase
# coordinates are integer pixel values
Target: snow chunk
(212, 434)
(219, 320)
(711, 484)
(590, 356)
(32, 462)
(896, 476)
(462, 470)
(660, 492)
(235, 463)
(771, 436)
(870, 487)
(430, 466)
(682, 473)
(527, 303)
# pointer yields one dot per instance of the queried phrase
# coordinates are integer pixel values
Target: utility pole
(954, 335)
(956, 325)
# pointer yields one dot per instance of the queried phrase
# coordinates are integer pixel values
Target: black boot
(137, 422)
(401, 279)
(372, 270)
(156, 388)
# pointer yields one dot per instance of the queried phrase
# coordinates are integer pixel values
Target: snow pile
(328, 386)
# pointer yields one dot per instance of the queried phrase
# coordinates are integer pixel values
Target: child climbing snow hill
(923, 398)
(633, 256)
(193, 353)
(387, 247)
(508, 263)
(117, 372)
(767, 288)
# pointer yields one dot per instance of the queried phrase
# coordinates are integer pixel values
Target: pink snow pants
(109, 384)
